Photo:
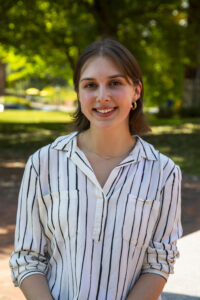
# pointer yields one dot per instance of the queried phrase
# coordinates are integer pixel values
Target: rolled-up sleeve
(162, 250)
(28, 256)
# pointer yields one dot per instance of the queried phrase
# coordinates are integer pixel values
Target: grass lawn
(23, 132)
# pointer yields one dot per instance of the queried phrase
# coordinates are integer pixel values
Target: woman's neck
(106, 143)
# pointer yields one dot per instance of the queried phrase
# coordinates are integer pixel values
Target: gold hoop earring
(134, 106)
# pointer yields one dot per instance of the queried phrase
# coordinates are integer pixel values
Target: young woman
(99, 209)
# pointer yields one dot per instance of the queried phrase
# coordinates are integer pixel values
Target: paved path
(7, 290)
(183, 285)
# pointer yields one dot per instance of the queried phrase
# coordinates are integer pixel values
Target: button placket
(100, 213)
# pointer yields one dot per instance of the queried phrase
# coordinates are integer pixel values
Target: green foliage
(21, 67)
(58, 94)
(47, 37)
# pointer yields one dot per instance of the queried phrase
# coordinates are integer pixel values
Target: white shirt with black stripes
(92, 242)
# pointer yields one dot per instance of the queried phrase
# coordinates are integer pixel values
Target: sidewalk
(7, 290)
(185, 283)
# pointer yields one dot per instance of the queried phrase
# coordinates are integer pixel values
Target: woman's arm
(148, 287)
(35, 287)
(162, 250)
(29, 255)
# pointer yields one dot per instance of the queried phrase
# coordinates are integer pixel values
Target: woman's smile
(104, 111)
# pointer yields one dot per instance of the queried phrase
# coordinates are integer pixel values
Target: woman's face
(105, 95)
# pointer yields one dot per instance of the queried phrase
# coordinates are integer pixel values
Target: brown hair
(128, 65)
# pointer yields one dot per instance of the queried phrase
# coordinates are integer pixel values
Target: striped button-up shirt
(93, 242)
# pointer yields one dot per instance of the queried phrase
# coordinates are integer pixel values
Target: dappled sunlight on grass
(183, 148)
(164, 149)
(186, 128)
(178, 159)
(24, 135)
(34, 116)
(15, 164)
(24, 132)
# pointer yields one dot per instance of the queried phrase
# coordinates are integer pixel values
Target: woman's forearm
(148, 287)
(35, 287)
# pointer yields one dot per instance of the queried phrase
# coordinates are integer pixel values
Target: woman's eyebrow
(112, 76)
(116, 75)
(87, 78)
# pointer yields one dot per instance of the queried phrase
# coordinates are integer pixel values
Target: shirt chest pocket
(140, 219)
(59, 213)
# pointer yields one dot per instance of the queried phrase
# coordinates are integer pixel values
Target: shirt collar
(147, 151)
(66, 143)
(141, 150)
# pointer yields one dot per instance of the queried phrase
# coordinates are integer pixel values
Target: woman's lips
(105, 112)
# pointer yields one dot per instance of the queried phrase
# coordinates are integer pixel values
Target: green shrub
(165, 112)
(189, 112)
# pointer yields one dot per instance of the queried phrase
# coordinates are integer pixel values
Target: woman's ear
(137, 90)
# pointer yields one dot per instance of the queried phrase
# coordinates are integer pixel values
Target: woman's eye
(115, 83)
(90, 85)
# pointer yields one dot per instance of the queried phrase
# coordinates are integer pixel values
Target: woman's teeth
(104, 111)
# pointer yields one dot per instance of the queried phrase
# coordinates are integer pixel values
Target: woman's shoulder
(167, 167)
(165, 161)
(43, 153)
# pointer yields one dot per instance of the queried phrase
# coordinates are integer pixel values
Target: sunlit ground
(186, 128)
(187, 268)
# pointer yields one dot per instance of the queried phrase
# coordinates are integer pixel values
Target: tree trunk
(2, 78)
(106, 19)
(191, 88)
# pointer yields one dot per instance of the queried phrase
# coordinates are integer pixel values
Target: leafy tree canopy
(50, 35)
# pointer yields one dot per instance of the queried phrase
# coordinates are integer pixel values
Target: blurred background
(40, 42)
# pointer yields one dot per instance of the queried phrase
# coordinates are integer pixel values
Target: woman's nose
(102, 94)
